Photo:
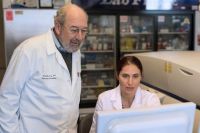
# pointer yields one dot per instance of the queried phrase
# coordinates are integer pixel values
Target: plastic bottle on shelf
(95, 28)
(100, 45)
(144, 44)
(123, 44)
(131, 29)
(105, 46)
(137, 44)
(148, 46)
(90, 27)
(144, 29)
(129, 43)
(104, 77)
(159, 43)
(94, 45)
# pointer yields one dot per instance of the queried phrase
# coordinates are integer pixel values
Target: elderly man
(40, 92)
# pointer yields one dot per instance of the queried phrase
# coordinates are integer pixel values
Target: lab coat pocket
(57, 85)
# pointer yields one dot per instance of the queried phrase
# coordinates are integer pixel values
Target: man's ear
(58, 28)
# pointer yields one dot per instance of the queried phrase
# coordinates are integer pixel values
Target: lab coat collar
(51, 49)
(117, 102)
(57, 42)
(138, 98)
(116, 98)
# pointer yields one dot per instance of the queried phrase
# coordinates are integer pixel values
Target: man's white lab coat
(37, 94)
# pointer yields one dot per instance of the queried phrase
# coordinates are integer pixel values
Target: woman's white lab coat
(37, 94)
(111, 100)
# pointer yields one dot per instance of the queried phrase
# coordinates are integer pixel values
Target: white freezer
(20, 24)
(177, 72)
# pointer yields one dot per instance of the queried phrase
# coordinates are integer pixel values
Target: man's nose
(80, 35)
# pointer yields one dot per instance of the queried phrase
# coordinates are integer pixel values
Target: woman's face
(129, 79)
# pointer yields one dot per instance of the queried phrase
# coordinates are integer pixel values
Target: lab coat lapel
(76, 67)
(137, 102)
(51, 49)
(60, 60)
(116, 99)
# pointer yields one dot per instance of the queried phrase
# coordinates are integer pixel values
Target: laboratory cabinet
(98, 57)
(136, 33)
(156, 31)
(174, 32)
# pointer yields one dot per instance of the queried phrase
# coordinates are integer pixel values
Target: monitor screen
(171, 118)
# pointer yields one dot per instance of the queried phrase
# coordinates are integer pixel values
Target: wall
(2, 50)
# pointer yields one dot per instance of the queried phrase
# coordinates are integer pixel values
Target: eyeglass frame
(75, 30)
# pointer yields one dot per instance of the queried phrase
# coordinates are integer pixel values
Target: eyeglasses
(75, 30)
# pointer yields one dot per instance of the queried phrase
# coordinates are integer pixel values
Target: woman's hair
(129, 60)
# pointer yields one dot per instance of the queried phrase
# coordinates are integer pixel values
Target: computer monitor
(171, 118)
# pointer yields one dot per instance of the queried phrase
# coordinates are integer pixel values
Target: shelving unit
(174, 32)
(134, 51)
(136, 34)
(98, 57)
(171, 33)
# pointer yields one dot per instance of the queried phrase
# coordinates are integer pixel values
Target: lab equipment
(175, 73)
(171, 118)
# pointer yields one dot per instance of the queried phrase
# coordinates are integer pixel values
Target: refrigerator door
(20, 24)
(174, 32)
(98, 57)
(136, 34)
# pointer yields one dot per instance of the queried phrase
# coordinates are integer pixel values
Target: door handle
(185, 72)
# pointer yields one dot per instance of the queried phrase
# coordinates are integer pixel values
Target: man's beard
(70, 48)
